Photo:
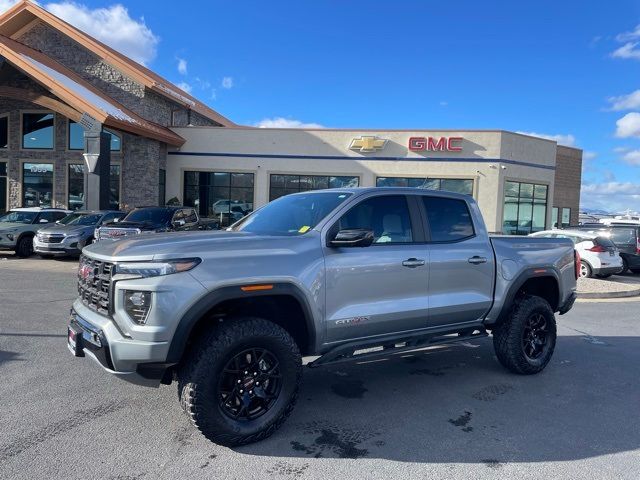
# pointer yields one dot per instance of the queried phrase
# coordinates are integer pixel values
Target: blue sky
(569, 69)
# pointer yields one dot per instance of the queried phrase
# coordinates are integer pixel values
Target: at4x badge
(352, 321)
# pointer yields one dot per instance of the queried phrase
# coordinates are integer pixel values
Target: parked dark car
(626, 238)
(71, 234)
(154, 220)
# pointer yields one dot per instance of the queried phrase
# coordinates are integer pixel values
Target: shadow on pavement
(458, 405)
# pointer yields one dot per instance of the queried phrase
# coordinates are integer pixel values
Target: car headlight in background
(137, 305)
(157, 269)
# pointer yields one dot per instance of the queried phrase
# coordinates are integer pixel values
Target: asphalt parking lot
(449, 412)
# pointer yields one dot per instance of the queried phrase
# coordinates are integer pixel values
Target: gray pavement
(448, 412)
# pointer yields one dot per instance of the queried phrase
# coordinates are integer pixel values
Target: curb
(624, 294)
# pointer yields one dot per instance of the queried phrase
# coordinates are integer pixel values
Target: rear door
(382, 288)
(461, 262)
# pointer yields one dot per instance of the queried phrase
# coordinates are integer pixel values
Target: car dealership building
(69, 103)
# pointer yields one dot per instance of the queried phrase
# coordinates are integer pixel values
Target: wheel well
(545, 287)
(283, 310)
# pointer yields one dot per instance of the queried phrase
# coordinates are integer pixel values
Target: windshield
(19, 217)
(152, 216)
(292, 214)
(81, 219)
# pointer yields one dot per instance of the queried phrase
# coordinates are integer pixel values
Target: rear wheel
(24, 248)
(585, 270)
(241, 382)
(525, 341)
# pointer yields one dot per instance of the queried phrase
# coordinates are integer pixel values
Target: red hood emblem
(85, 272)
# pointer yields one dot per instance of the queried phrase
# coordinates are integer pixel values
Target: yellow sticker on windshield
(304, 229)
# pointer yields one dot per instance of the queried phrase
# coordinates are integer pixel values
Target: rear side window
(604, 242)
(623, 236)
(449, 219)
(387, 215)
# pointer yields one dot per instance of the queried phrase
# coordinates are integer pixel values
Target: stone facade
(567, 182)
(140, 158)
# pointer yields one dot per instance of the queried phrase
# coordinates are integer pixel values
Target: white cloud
(621, 149)
(567, 140)
(628, 50)
(587, 155)
(628, 126)
(280, 122)
(184, 86)
(611, 196)
(227, 82)
(632, 157)
(202, 83)
(625, 102)
(627, 36)
(182, 66)
(111, 25)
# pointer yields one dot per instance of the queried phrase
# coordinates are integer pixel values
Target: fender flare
(215, 297)
(520, 280)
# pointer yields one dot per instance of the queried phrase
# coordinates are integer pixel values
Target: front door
(381, 288)
(461, 263)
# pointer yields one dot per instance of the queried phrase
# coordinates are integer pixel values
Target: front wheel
(241, 382)
(24, 248)
(525, 341)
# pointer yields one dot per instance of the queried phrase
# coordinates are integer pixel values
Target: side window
(178, 215)
(449, 219)
(58, 216)
(109, 217)
(387, 215)
(48, 216)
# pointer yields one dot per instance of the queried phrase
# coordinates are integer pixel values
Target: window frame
(519, 200)
(427, 225)
(104, 129)
(53, 130)
(112, 164)
(22, 184)
(270, 174)
(427, 177)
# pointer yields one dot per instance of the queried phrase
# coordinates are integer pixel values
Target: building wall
(485, 159)
(568, 179)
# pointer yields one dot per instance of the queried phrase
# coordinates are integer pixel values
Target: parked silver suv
(338, 274)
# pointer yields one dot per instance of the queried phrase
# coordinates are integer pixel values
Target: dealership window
(162, 187)
(566, 217)
(225, 196)
(525, 208)
(37, 131)
(3, 187)
(37, 184)
(458, 185)
(76, 138)
(75, 187)
(4, 131)
(280, 185)
(554, 217)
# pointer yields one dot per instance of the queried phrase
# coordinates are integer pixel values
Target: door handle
(476, 260)
(413, 262)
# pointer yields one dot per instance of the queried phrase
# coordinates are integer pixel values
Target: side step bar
(354, 351)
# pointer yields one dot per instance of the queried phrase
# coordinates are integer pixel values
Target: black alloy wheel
(250, 384)
(534, 336)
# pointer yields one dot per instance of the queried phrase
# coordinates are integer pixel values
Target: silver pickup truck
(337, 275)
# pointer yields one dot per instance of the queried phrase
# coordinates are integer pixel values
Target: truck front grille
(94, 284)
(116, 233)
(50, 238)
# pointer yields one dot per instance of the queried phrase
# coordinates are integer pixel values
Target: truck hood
(144, 226)
(202, 244)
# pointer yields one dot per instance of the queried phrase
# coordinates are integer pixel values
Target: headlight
(10, 236)
(156, 269)
(72, 238)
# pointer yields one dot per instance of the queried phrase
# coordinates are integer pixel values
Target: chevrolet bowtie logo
(367, 144)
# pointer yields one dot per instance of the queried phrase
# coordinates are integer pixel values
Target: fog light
(137, 305)
(10, 237)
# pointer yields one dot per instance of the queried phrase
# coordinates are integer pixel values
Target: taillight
(638, 246)
(576, 259)
(597, 249)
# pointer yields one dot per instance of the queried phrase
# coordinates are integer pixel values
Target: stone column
(97, 159)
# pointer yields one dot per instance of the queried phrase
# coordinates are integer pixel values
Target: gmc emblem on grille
(85, 272)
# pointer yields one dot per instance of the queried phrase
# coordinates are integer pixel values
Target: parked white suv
(600, 256)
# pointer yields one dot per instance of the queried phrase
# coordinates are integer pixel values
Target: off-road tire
(198, 379)
(24, 247)
(508, 336)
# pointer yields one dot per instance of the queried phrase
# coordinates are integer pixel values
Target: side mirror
(355, 237)
(179, 223)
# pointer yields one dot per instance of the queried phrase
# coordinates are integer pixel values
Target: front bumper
(99, 338)
(607, 270)
(66, 247)
(6, 244)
